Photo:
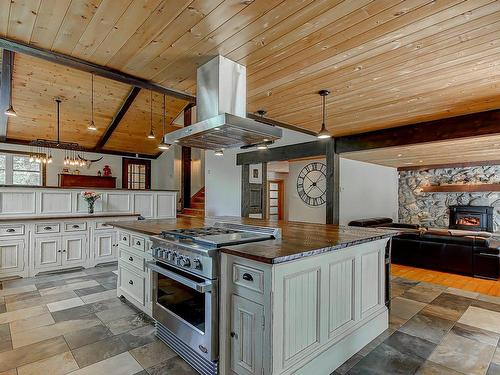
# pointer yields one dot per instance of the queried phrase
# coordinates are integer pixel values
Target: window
(136, 174)
(17, 169)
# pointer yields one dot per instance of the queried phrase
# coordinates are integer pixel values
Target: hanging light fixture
(163, 145)
(92, 125)
(10, 111)
(219, 152)
(151, 134)
(324, 133)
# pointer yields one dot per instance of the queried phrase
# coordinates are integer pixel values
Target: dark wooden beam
(186, 163)
(449, 165)
(472, 125)
(5, 90)
(283, 125)
(295, 151)
(332, 184)
(105, 152)
(117, 118)
(98, 70)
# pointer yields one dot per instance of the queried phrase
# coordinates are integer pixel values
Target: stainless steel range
(185, 287)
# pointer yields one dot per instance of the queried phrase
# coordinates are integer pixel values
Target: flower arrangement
(90, 197)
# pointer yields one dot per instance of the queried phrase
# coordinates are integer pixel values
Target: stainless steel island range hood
(221, 111)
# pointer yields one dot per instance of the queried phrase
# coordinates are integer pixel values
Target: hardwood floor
(472, 284)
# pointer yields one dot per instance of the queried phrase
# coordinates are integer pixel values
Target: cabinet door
(247, 327)
(74, 250)
(47, 252)
(11, 256)
(105, 246)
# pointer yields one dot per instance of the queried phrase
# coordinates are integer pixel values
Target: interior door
(11, 256)
(47, 252)
(105, 246)
(276, 199)
(74, 250)
(246, 336)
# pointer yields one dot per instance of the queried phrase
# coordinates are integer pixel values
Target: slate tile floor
(72, 323)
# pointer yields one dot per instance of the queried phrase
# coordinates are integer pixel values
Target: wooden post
(332, 183)
(186, 164)
(245, 194)
(5, 90)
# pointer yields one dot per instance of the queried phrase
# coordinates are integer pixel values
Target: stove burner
(197, 232)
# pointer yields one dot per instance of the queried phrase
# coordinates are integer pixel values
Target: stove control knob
(171, 255)
(184, 262)
(197, 264)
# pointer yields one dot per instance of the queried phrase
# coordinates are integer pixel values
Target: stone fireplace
(478, 218)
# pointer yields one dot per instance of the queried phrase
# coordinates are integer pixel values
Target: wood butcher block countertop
(298, 239)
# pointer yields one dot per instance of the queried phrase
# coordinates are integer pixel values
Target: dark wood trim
(245, 190)
(283, 125)
(295, 151)
(466, 126)
(450, 165)
(125, 164)
(332, 184)
(117, 118)
(5, 90)
(24, 142)
(98, 70)
(265, 192)
(186, 163)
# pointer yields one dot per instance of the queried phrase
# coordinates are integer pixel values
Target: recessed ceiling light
(408, 163)
(420, 161)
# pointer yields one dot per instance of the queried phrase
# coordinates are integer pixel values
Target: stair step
(184, 215)
(198, 200)
(199, 206)
(193, 211)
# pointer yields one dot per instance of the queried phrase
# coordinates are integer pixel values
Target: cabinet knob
(131, 282)
(247, 277)
(124, 238)
(138, 243)
(76, 226)
(131, 259)
(59, 251)
(234, 335)
(47, 228)
(11, 230)
(64, 251)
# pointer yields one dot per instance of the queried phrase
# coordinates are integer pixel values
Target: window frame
(9, 168)
(129, 161)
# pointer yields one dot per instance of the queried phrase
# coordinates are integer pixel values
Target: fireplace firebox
(478, 218)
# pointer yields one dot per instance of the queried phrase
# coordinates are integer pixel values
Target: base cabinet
(105, 247)
(12, 256)
(60, 252)
(47, 253)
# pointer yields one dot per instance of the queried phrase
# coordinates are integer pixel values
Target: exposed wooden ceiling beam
(5, 90)
(473, 125)
(89, 67)
(117, 118)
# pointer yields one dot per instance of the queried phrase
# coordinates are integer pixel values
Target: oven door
(187, 305)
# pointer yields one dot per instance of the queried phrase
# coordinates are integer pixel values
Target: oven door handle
(199, 287)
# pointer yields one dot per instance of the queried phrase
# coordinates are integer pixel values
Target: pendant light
(92, 125)
(324, 133)
(163, 145)
(10, 111)
(151, 132)
(219, 152)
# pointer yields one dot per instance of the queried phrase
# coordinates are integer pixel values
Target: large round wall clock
(311, 184)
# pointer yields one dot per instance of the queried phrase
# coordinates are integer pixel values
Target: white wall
(367, 190)
(166, 170)
(197, 170)
(223, 177)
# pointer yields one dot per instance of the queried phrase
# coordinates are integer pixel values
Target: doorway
(276, 199)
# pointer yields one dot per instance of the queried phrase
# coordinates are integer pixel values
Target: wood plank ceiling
(387, 62)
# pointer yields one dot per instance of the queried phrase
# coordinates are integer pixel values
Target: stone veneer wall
(431, 209)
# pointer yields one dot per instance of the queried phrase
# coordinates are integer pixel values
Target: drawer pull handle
(64, 251)
(247, 277)
(131, 282)
(138, 243)
(47, 228)
(11, 230)
(234, 335)
(131, 259)
(76, 226)
(124, 238)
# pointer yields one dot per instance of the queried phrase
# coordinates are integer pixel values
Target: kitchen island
(302, 303)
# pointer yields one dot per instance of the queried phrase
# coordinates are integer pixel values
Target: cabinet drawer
(75, 227)
(132, 260)
(11, 230)
(132, 284)
(124, 238)
(47, 228)
(138, 243)
(248, 277)
(102, 225)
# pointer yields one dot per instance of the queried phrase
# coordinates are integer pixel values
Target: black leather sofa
(466, 254)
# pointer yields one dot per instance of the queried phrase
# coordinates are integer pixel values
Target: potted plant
(90, 197)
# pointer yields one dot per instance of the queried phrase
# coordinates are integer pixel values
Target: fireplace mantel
(458, 188)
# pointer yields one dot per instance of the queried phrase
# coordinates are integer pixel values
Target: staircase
(197, 206)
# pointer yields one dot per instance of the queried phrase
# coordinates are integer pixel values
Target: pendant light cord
(324, 110)
(58, 102)
(164, 114)
(151, 111)
(92, 101)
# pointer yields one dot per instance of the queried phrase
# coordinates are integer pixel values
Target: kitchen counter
(298, 239)
(82, 188)
(68, 216)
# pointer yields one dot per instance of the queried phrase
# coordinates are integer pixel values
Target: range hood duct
(221, 111)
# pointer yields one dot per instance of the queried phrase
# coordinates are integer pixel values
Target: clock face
(311, 184)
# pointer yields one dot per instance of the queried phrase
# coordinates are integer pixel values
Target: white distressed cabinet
(12, 252)
(306, 316)
(105, 246)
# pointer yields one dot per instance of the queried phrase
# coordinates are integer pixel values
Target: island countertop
(298, 239)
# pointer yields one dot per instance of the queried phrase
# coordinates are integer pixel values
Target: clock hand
(306, 176)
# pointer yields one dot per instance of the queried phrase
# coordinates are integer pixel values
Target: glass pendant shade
(10, 111)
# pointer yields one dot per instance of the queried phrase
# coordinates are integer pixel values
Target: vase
(91, 207)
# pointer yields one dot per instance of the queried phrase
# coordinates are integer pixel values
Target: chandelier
(41, 149)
